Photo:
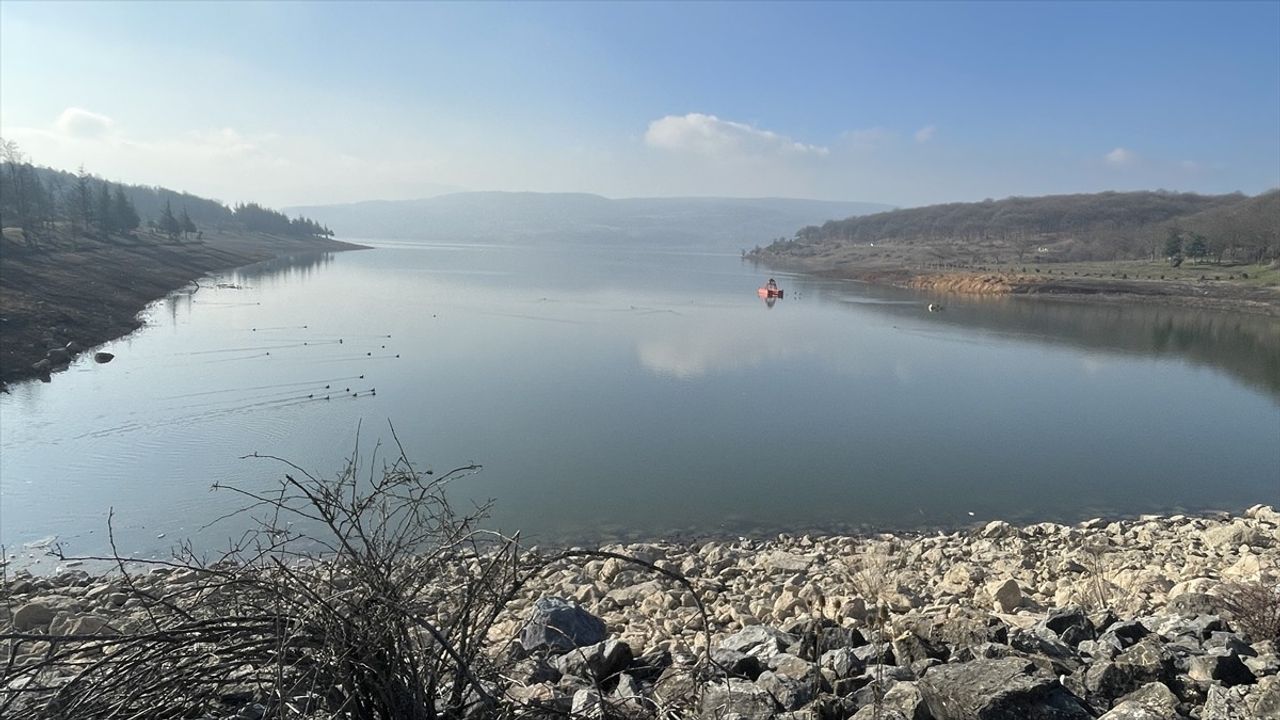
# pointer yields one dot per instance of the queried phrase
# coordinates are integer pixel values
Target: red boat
(768, 292)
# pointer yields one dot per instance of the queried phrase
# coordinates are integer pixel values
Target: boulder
(1232, 535)
(1265, 698)
(103, 357)
(595, 662)
(1153, 701)
(1006, 595)
(1222, 703)
(759, 641)
(559, 625)
(1006, 689)
(905, 698)
(792, 681)
(737, 664)
(1071, 625)
(32, 616)
(909, 648)
(1227, 670)
(1133, 710)
(723, 698)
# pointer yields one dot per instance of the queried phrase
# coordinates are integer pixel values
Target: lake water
(614, 393)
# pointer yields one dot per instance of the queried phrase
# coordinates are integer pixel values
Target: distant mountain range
(523, 217)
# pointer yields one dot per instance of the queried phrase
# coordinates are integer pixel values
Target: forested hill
(42, 200)
(1101, 226)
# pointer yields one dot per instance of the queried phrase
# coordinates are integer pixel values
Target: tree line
(1099, 226)
(43, 201)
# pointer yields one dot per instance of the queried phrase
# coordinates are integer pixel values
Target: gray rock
(1263, 664)
(759, 641)
(1226, 643)
(842, 663)
(532, 671)
(91, 625)
(905, 698)
(1071, 625)
(103, 357)
(1190, 605)
(1224, 703)
(909, 648)
(676, 688)
(871, 712)
(588, 702)
(595, 662)
(1124, 633)
(1133, 710)
(790, 693)
(1045, 643)
(874, 653)
(720, 699)
(559, 625)
(1265, 699)
(1005, 689)
(1154, 696)
(32, 616)
(1225, 669)
(737, 664)
(1007, 595)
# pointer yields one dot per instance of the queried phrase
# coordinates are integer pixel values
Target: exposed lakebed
(615, 393)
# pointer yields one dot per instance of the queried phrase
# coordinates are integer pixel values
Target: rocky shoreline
(1153, 618)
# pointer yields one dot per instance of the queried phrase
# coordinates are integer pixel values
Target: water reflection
(1246, 346)
(597, 385)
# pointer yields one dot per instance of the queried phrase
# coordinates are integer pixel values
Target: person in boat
(771, 285)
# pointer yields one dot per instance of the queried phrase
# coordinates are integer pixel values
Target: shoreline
(1215, 295)
(83, 292)
(1102, 618)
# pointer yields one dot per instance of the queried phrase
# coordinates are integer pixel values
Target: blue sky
(293, 103)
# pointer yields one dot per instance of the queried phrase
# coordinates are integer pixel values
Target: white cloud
(926, 133)
(1121, 157)
(80, 123)
(867, 138)
(709, 135)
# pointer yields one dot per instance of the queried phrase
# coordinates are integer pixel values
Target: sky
(903, 103)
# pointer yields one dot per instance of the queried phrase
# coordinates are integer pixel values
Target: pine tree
(81, 201)
(103, 210)
(187, 226)
(169, 224)
(123, 213)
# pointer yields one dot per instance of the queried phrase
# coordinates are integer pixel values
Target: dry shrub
(1254, 607)
(362, 596)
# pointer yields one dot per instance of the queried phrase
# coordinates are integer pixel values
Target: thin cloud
(926, 133)
(866, 138)
(1121, 157)
(710, 136)
(80, 123)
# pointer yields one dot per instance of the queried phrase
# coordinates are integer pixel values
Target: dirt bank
(89, 291)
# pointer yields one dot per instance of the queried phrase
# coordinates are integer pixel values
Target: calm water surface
(613, 393)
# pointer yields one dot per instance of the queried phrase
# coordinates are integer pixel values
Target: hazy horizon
(315, 104)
